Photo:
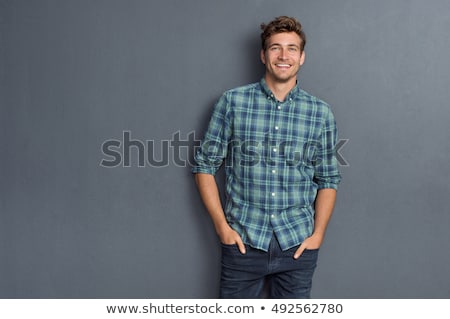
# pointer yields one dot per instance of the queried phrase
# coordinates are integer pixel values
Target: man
(278, 145)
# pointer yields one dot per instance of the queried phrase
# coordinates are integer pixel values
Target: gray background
(75, 74)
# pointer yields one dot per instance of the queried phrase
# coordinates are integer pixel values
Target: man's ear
(302, 58)
(263, 56)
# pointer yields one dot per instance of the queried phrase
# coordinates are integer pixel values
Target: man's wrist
(222, 228)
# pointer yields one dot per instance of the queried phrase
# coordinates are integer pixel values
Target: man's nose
(282, 55)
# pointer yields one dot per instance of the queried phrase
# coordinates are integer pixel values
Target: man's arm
(209, 193)
(324, 206)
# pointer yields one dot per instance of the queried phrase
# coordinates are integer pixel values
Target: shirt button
(273, 216)
(274, 171)
(276, 128)
(273, 194)
(279, 107)
(274, 149)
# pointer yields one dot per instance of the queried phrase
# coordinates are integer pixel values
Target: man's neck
(280, 89)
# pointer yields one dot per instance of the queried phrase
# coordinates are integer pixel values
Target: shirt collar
(292, 94)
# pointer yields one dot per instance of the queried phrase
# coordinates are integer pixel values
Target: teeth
(283, 65)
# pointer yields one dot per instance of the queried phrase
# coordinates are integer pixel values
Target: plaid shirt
(277, 155)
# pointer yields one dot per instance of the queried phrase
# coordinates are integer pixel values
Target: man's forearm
(209, 193)
(324, 206)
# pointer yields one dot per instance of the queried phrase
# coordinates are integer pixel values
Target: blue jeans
(245, 276)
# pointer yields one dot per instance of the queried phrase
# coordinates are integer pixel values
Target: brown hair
(279, 25)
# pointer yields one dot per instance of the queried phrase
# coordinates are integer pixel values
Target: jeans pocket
(230, 249)
(309, 256)
(316, 250)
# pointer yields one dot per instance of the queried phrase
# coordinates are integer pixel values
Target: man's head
(279, 25)
(282, 52)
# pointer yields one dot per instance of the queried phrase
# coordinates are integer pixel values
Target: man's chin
(283, 79)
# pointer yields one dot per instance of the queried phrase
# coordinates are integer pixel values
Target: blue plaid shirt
(276, 156)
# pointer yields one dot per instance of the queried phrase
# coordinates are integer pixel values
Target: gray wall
(76, 74)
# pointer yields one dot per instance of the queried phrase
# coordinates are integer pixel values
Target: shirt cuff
(327, 185)
(204, 170)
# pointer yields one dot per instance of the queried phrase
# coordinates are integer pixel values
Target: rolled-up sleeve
(326, 169)
(214, 146)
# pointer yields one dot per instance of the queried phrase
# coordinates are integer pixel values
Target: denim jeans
(246, 276)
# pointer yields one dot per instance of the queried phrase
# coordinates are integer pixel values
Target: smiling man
(278, 144)
(282, 55)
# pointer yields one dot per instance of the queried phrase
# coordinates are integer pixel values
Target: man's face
(282, 57)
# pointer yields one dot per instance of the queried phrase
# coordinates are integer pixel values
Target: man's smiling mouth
(282, 65)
